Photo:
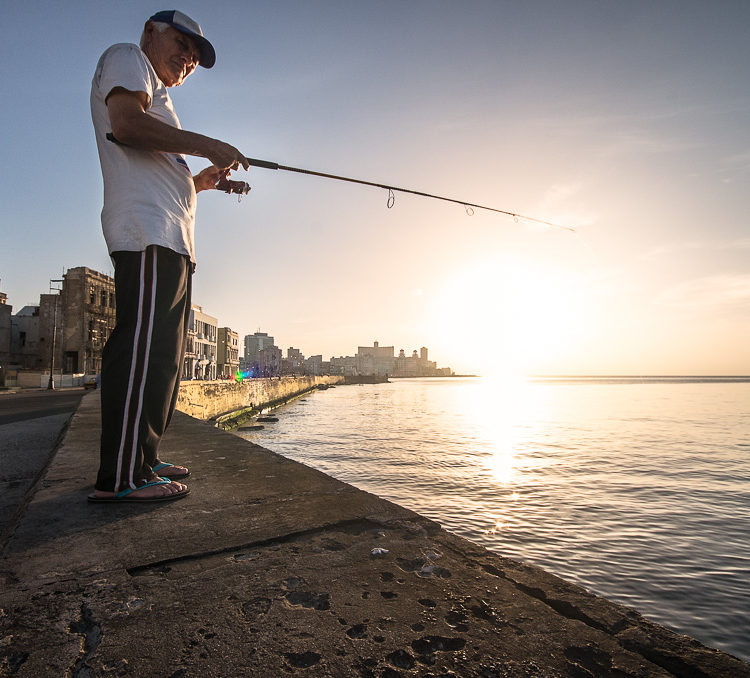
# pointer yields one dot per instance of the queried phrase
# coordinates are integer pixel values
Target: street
(30, 425)
(34, 404)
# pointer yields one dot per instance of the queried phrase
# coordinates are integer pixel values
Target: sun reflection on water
(499, 525)
(502, 410)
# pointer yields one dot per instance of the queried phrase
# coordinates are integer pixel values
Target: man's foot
(166, 469)
(162, 490)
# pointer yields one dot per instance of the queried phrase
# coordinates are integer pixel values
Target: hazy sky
(629, 120)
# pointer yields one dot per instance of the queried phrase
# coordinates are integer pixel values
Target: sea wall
(219, 400)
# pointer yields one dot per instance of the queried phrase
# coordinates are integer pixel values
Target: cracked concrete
(271, 568)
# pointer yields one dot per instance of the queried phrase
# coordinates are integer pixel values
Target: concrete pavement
(271, 568)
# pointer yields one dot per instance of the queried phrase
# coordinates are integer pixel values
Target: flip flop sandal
(172, 476)
(126, 496)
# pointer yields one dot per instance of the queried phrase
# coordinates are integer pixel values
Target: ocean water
(637, 489)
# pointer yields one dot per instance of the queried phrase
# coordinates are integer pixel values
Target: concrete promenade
(270, 568)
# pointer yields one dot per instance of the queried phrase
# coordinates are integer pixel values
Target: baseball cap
(186, 25)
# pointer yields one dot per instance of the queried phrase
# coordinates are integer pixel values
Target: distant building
(262, 357)
(31, 335)
(228, 353)
(254, 343)
(269, 362)
(294, 363)
(25, 349)
(405, 367)
(201, 353)
(343, 365)
(314, 365)
(416, 365)
(375, 360)
(296, 360)
(50, 317)
(80, 318)
(87, 306)
(6, 312)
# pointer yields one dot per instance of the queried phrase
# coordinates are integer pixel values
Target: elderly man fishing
(148, 219)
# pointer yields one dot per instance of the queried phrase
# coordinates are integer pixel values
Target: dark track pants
(142, 362)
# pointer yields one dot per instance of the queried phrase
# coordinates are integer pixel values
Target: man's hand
(225, 156)
(207, 179)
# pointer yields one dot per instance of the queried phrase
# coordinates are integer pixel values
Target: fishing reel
(238, 188)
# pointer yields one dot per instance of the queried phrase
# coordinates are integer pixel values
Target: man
(148, 219)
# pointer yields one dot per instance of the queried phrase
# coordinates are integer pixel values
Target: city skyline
(82, 312)
(627, 122)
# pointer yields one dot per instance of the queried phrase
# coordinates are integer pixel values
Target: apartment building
(228, 353)
(200, 360)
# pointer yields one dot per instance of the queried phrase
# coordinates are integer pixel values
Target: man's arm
(132, 126)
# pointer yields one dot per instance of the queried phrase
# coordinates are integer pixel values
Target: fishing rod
(242, 188)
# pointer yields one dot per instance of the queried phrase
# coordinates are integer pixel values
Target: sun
(518, 318)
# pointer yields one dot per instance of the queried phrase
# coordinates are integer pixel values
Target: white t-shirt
(149, 197)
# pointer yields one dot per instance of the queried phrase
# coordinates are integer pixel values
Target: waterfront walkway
(270, 568)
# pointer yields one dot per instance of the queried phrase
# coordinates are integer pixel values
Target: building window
(70, 362)
(92, 296)
(104, 298)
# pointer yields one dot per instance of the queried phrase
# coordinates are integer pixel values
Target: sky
(628, 121)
